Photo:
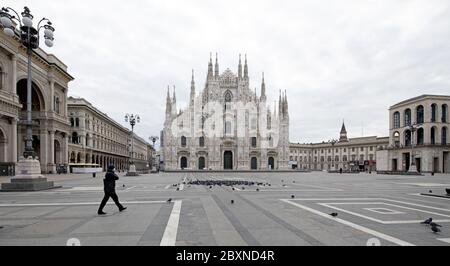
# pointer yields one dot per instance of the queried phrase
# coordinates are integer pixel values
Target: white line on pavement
(73, 203)
(329, 205)
(446, 240)
(353, 225)
(428, 196)
(167, 187)
(170, 234)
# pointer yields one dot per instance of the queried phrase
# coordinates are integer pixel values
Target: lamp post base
(28, 177)
(132, 171)
(412, 169)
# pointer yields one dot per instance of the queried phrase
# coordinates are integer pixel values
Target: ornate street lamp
(154, 139)
(133, 120)
(29, 37)
(28, 170)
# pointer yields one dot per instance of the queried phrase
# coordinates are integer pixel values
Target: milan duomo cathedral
(227, 126)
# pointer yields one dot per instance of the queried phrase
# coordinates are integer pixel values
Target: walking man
(109, 184)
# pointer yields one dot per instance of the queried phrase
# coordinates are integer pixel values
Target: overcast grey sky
(337, 59)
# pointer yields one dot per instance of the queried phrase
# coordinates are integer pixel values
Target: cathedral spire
(174, 97)
(286, 103)
(245, 68)
(279, 102)
(168, 103)
(240, 67)
(168, 94)
(263, 89)
(192, 88)
(174, 102)
(210, 66)
(216, 67)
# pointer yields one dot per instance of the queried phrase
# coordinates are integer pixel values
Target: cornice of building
(420, 98)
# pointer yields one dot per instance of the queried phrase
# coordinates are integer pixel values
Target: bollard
(93, 175)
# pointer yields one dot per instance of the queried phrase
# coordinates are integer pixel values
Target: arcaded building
(418, 128)
(50, 85)
(96, 138)
(348, 154)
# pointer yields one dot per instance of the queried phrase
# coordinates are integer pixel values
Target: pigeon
(178, 188)
(169, 200)
(232, 188)
(292, 196)
(431, 191)
(334, 214)
(433, 224)
(427, 221)
(232, 201)
(435, 229)
(210, 186)
(123, 185)
(257, 189)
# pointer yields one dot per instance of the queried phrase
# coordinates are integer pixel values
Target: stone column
(51, 152)
(13, 146)
(52, 94)
(66, 113)
(43, 156)
(14, 74)
(65, 149)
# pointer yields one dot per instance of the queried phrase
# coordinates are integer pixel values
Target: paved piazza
(381, 208)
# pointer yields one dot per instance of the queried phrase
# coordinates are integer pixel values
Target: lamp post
(133, 120)
(28, 166)
(333, 142)
(154, 139)
(412, 168)
(29, 37)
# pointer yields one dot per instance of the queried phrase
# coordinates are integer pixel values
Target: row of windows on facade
(115, 147)
(201, 141)
(108, 131)
(336, 158)
(420, 115)
(420, 137)
(353, 149)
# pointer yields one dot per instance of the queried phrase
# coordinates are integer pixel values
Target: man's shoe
(122, 209)
(101, 213)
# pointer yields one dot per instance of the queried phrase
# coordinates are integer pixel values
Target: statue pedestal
(28, 177)
(132, 171)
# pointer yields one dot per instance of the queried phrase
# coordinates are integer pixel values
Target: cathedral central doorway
(254, 163)
(271, 163)
(228, 160)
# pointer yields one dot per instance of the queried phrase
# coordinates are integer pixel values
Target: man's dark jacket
(109, 182)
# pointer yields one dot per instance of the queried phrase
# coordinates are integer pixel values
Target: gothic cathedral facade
(227, 126)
